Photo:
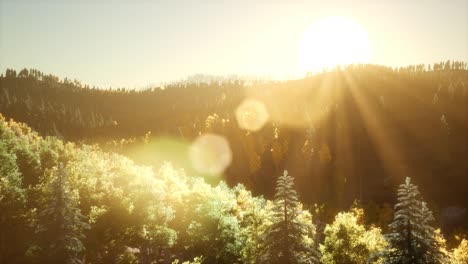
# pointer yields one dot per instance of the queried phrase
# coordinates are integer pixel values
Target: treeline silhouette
(64, 203)
(351, 133)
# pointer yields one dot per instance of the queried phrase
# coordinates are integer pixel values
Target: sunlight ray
(392, 159)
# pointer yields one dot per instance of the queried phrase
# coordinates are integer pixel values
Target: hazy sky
(135, 43)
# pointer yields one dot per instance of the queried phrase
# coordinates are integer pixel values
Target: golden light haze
(124, 44)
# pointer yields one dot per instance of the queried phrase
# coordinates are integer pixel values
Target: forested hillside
(234, 132)
(352, 133)
(67, 203)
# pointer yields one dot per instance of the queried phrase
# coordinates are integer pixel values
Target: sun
(333, 41)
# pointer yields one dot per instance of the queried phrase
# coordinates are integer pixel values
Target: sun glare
(333, 41)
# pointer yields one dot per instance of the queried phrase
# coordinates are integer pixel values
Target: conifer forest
(187, 132)
(83, 179)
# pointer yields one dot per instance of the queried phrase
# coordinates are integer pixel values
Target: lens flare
(251, 115)
(210, 154)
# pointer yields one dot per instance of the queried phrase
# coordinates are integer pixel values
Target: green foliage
(60, 227)
(289, 237)
(412, 238)
(460, 254)
(71, 203)
(254, 214)
(347, 240)
(102, 208)
(12, 204)
(430, 103)
(196, 260)
(214, 230)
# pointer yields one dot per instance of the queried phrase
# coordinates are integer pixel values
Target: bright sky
(136, 43)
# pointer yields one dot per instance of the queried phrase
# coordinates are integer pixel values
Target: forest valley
(362, 164)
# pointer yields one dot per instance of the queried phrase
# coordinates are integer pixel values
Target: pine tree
(435, 250)
(61, 225)
(412, 238)
(286, 238)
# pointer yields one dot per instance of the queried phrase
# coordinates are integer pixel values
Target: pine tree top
(285, 190)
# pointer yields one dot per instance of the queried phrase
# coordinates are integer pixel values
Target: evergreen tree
(432, 240)
(60, 224)
(412, 238)
(286, 239)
